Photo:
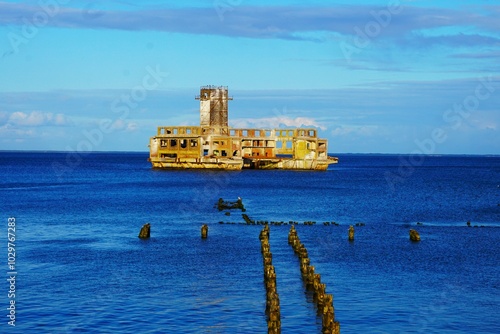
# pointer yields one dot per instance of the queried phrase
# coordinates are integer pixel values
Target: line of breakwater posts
(312, 280)
(272, 298)
(250, 221)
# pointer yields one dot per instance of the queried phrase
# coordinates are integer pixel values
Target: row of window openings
(244, 133)
(222, 153)
(280, 133)
(288, 144)
(183, 143)
(176, 131)
(279, 144)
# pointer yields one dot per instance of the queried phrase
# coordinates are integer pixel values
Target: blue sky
(374, 77)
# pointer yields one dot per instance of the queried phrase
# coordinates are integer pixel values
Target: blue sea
(81, 268)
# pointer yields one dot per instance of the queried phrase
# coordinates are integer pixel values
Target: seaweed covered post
(220, 204)
(239, 205)
(414, 236)
(351, 233)
(204, 231)
(145, 232)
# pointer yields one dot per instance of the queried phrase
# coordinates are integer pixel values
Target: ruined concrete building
(215, 145)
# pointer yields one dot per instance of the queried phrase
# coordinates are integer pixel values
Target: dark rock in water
(226, 205)
(145, 232)
(204, 231)
(414, 236)
(351, 233)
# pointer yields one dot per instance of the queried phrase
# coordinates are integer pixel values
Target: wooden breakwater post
(351, 233)
(204, 231)
(273, 311)
(313, 283)
(414, 236)
(145, 231)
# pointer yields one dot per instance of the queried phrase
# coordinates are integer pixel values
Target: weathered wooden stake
(145, 232)
(204, 231)
(351, 233)
(414, 236)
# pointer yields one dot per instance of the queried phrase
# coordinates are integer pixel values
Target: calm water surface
(82, 269)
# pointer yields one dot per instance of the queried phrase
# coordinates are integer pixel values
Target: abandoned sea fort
(215, 145)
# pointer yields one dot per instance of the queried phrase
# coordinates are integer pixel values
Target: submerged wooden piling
(145, 232)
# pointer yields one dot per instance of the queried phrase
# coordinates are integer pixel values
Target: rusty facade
(215, 145)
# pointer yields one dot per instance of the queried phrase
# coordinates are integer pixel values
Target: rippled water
(81, 267)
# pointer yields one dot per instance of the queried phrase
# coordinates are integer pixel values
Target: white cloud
(19, 118)
(37, 118)
(363, 130)
(132, 127)
(10, 131)
(276, 122)
(60, 119)
(485, 124)
(119, 124)
(122, 125)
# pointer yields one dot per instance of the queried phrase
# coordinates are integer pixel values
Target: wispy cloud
(349, 130)
(37, 118)
(281, 22)
(478, 55)
(276, 122)
(451, 40)
(19, 126)
(123, 125)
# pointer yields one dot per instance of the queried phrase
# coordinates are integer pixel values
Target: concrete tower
(213, 109)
